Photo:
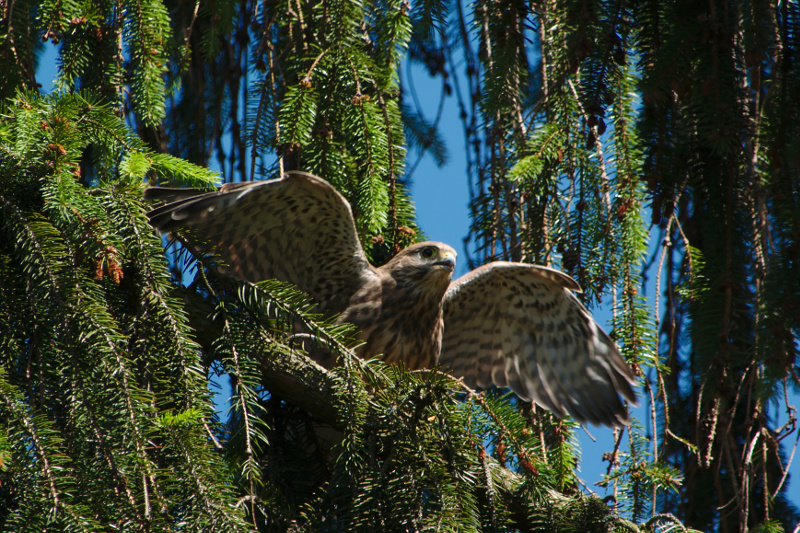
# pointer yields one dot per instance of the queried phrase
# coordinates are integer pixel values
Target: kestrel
(507, 324)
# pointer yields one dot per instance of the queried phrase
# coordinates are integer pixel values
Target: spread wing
(520, 326)
(297, 229)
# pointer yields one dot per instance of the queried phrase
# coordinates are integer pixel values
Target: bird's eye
(426, 253)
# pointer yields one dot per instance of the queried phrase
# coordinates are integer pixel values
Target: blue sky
(442, 198)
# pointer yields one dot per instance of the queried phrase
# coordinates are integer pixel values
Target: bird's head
(428, 264)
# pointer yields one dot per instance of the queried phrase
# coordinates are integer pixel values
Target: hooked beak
(448, 262)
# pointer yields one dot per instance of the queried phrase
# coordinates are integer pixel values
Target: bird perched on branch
(506, 324)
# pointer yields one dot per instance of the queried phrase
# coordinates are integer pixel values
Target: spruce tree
(594, 129)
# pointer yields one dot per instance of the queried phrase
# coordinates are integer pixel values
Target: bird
(504, 324)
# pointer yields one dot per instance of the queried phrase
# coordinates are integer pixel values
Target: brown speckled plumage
(399, 314)
(507, 324)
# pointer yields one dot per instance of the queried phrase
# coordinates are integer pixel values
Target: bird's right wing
(297, 229)
(520, 326)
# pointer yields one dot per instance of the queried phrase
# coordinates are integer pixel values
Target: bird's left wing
(297, 229)
(520, 326)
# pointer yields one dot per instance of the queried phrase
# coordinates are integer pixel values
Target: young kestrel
(507, 324)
